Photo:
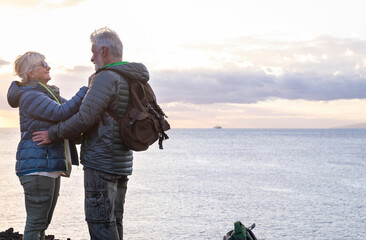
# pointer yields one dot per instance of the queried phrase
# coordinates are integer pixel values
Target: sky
(233, 63)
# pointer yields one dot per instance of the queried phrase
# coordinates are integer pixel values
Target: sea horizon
(292, 183)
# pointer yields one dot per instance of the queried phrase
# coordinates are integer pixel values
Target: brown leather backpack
(144, 121)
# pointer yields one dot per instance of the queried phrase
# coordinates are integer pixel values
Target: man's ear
(104, 52)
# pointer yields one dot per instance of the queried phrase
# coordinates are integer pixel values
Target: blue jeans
(104, 202)
(40, 194)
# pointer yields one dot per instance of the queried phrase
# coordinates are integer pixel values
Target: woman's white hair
(25, 63)
(106, 37)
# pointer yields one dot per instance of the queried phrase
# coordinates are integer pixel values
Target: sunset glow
(237, 64)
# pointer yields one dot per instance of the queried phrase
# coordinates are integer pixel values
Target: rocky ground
(11, 235)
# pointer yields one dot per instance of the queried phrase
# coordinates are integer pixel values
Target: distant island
(217, 127)
(353, 126)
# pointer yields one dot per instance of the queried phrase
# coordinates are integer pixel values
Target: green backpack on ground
(240, 232)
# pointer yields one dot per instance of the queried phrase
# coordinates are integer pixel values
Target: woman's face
(41, 72)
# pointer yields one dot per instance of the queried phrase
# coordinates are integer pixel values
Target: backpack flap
(135, 115)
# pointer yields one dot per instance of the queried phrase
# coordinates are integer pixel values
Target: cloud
(204, 86)
(21, 3)
(5, 80)
(62, 3)
(252, 70)
(222, 85)
(267, 114)
(39, 3)
(70, 80)
(3, 62)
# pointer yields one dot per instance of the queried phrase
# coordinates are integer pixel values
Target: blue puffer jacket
(38, 110)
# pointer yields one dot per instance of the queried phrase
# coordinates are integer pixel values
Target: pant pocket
(96, 207)
(36, 199)
(109, 177)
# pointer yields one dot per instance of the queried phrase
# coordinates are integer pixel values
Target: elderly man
(107, 162)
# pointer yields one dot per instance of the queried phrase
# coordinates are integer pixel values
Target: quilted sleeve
(96, 101)
(39, 106)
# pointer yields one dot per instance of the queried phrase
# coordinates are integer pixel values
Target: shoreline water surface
(293, 183)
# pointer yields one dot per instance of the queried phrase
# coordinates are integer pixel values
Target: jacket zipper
(67, 165)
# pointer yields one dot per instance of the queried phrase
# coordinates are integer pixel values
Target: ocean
(292, 183)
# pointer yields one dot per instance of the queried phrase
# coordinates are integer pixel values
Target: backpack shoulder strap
(115, 117)
(113, 70)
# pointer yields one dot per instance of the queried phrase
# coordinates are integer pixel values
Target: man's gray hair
(106, 37)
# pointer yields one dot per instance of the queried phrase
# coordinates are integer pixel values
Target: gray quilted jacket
(102, 147)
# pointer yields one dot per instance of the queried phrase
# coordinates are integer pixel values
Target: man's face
(97, 58)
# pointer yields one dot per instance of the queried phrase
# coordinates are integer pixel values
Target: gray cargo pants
(40, 194)
(104, 203)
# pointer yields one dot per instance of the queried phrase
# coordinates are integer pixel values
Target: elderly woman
(39, 167)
